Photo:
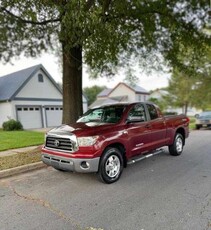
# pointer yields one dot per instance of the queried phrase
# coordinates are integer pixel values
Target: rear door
(138, 130)
(157, 126)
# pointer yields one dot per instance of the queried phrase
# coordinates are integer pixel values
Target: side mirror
(197, 116)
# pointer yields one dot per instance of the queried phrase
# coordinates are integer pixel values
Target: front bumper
(71, 164)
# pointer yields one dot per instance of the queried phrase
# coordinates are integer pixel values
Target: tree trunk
(72, 84)
(185, 108)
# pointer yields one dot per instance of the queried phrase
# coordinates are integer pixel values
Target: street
(162, 192)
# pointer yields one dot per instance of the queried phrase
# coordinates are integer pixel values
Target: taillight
(187, 119)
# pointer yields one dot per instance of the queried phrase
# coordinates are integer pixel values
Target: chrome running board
(143, 157)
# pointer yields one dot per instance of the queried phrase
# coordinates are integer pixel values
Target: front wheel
(177, 147)
(111, 165)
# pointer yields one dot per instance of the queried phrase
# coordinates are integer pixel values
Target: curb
(21, 169)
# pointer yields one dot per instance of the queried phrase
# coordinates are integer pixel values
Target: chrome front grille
(59, 143)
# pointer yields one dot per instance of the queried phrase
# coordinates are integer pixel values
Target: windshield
(205, 115)
(108, 114)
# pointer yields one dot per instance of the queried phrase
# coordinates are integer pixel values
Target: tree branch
(45, 22)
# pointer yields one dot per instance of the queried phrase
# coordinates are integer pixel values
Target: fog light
(85, 165)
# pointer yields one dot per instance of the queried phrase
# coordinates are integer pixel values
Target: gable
(9, 84)
(122, 90)
(35, 88)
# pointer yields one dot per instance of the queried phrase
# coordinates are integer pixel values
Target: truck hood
(82, 129)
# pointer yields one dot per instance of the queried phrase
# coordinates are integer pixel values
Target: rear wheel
(177, 147)
(198, 126)
(111, 165)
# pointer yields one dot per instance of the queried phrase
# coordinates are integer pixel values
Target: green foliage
(161, 103)
(12, 125)
(180, 90)
(111, 33)
(186, 89)
(92, 92)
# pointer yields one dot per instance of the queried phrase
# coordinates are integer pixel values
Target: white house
(32, 97)
(121, 93)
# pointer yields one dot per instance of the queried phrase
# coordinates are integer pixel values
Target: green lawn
(19, 139)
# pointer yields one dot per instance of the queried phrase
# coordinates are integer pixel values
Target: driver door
(138, 129)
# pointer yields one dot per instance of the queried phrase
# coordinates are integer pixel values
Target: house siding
(122, 90)
(44, 89)
(6, 112)
(142, 97)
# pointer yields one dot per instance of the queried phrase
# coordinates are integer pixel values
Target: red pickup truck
(107, 138)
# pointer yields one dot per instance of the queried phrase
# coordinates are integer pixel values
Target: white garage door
(30, 116)
(53, 115)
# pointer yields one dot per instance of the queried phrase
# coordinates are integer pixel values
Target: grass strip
(24, 158)
(20, 139)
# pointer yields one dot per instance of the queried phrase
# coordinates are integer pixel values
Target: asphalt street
(159, 193)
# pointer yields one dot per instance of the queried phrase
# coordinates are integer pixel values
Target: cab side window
(137, 114)
(152, 111)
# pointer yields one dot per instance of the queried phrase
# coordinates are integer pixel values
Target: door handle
(147, 126)
(125, 132)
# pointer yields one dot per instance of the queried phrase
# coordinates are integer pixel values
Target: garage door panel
(53, 116)
(30, 117)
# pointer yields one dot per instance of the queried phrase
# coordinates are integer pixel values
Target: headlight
(87, 141)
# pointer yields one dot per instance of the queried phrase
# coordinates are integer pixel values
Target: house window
(144, 97)
(40, 77)
(139, 97)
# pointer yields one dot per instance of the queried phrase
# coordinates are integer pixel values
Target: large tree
(103, 34)
(180, 90)
(191, 87)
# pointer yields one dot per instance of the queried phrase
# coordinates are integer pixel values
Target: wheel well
(182, 132)
(122, 149)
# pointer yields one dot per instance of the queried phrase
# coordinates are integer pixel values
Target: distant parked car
(203, 119)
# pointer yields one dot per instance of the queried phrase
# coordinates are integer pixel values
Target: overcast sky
(51, 63)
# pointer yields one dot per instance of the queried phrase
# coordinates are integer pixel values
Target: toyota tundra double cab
(107, 138)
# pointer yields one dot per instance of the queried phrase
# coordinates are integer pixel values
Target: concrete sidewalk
(16, 151)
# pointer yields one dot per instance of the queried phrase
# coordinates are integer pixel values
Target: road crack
(47, 205)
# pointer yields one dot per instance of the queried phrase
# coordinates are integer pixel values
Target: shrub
(12, 125)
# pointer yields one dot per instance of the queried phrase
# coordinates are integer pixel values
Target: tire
(111, 165)
(177, 147)
(198, 127)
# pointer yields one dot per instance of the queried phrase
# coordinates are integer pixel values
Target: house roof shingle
(137, 89)
(104, 93)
